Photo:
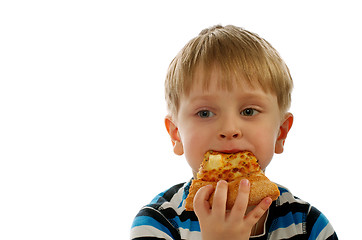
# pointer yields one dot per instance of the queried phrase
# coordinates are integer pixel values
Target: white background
(82, 141)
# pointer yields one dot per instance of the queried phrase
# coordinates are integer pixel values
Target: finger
(201, 203)
(220, 197)
(241, 201)
(253, 217)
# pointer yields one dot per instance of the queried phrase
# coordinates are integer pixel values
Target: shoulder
(165, 217)
(293, 217)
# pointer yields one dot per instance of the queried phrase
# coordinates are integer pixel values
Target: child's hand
(216, 223)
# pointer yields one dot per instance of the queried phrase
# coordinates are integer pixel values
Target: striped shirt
(288, 218)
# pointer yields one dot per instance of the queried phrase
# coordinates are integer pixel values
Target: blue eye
(249, 112)
(205, 114)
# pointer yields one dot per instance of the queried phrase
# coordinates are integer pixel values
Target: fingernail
(268, 201)
(221, 182)
(245, 182)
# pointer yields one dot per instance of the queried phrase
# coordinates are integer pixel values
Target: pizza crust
(260, 188)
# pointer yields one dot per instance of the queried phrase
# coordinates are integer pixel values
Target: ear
(175, 136)
(283, 132)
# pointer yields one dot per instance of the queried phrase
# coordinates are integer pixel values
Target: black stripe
(287, 208)
(188, 215)
(184, 216)
(333, 237)
(312, 217)
(297, 237)
(149, 212)
(147, 238)
(269, 221)
(171, 192)
(170, 213)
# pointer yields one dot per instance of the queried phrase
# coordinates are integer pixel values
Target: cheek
(195, 145)
(265, 144)
(264, 138)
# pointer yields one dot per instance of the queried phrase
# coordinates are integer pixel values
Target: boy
(228, 90)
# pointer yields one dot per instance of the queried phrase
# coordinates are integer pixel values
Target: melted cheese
(218, 166)
(215, 162)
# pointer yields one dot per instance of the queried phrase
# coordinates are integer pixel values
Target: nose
(230, 133)
(230, 127)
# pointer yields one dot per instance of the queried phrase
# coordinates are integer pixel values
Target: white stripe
(326, 232)
(187, 234)
(147, 231)
(287, 197)
(287, 232)
(176, 200)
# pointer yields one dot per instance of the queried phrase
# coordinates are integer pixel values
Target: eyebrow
(202, 97)
(244, 96)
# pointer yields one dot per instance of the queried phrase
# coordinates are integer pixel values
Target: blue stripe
(282, 190)
(287, 220)
(181, 203)
(155, 199)
(149, 221)
(319, 225)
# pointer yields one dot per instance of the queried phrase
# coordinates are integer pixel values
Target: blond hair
(239, 54)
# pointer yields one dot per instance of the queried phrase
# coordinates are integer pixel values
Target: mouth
(231, 151)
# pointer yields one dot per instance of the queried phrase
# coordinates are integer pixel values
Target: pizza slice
(232, 168)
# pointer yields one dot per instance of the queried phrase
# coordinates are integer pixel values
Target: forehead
(240, 92)
(214, 77)
(212, 86)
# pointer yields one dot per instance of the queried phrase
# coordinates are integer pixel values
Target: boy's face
(229, 121)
